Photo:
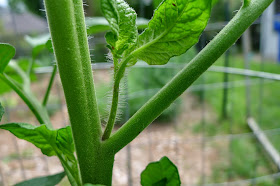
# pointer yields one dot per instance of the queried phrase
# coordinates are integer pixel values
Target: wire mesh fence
(202, 158)
(205, 132)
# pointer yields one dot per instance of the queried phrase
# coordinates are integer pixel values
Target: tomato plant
(174, 28)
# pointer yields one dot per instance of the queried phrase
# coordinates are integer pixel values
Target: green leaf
(41, 136)
(100, 24)
(89, 184)
(52, 143)
(161, 173)
(122, 20)
(7, 52)
(2, 111)
(44, 180)
(175, 27)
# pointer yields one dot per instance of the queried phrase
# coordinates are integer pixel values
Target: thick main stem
(68, 32)
(158, 103)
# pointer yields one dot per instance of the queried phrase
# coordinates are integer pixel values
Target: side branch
(119, 71)
(169, 93)
(113, 112)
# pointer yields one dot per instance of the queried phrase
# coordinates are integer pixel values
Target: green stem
(115, 100)
(162, 100)
(33, 104)
(113, 112)
(30, 66)
(68, 169)
(68, 32)
(46, 97)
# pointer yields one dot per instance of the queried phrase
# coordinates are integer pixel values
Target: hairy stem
(115, 101)
(113, 112)
(68, 32)
(162, 100)
(46, 97)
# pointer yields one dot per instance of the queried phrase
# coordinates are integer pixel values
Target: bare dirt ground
(21, 160)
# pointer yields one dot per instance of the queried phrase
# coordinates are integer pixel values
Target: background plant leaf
(161, 173)
(7, 52)
(43, 181)
(175, 27)
(2, 111)
(122, 20)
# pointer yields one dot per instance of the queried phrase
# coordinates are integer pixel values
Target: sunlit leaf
(175, 27)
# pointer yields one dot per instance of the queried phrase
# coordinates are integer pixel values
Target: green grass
(248, 159)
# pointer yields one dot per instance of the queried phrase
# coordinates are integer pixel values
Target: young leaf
(162, 172)
(43, 181)
(122, 20)
(40, 136)
(2, 111)
(100, 24)
(51, 142)
(7, 52)
(174, 28)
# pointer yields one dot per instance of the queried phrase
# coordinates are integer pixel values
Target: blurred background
(224, 130)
